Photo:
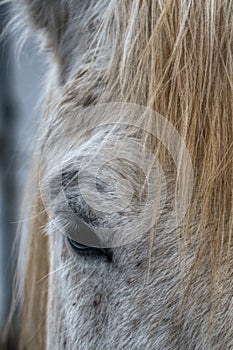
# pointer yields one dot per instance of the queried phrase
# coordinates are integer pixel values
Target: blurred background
(21, 77)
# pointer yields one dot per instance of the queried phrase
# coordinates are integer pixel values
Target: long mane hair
(176, 58)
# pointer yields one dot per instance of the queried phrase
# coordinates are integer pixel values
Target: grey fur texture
(145, 297)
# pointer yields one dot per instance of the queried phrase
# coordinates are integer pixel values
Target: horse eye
(85, 241)
(81, 248)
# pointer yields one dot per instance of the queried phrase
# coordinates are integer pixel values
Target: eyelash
(92, 251)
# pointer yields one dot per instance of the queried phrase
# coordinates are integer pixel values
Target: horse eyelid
(99, 251)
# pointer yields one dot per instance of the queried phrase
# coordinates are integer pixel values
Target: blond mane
(176, 58)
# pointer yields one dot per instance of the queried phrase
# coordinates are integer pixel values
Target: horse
(128, 242)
